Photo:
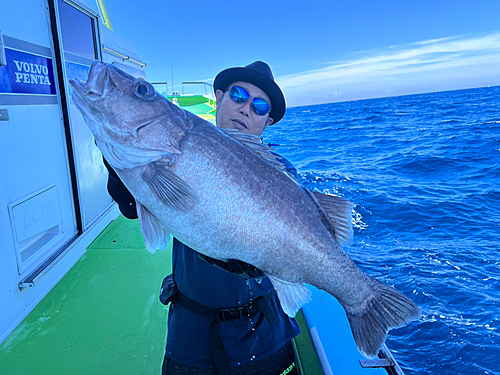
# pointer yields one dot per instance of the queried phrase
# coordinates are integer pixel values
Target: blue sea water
(424, 174)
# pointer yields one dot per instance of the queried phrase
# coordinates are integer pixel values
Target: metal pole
(104, 11)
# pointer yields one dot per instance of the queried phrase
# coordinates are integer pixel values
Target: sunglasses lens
(260, 106)
(238, 94)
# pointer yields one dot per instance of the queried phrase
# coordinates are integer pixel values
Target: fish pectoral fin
(155, 236)
(172, 190)
(339, 212)
(251, 142)
(291, 296)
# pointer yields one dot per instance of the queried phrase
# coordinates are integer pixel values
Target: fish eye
(143, 89)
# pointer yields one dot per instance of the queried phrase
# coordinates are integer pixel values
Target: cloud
(425, 65)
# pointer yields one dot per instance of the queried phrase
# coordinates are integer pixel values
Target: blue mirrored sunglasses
(240, 95)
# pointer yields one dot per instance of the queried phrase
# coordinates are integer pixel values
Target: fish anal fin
(291, 296)
(172, 190)
(251, 142)
(155, 236)
(339, 212)
(387, 309)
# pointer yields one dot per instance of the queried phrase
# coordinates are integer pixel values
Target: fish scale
(225, 195)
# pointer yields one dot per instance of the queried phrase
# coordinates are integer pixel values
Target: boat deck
(104, 317)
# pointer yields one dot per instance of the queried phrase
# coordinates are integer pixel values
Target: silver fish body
(224, 195)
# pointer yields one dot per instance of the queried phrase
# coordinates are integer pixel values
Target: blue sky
(320, 51)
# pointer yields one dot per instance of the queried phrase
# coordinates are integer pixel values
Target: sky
(319, 51)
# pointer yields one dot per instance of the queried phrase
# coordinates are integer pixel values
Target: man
(225, 318)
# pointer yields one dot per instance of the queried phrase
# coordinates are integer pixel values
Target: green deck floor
(103, 317)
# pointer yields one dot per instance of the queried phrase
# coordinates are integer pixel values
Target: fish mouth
(77, 86)
(78, 93)
(94, 88)
(84, 104)
(239, 124)
(78, 96)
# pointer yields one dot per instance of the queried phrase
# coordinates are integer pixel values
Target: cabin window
(77, 31)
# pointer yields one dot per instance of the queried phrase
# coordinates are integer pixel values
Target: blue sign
(27, 74)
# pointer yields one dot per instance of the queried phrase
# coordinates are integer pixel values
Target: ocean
(424, 174)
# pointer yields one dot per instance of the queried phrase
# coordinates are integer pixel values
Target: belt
(170, 293)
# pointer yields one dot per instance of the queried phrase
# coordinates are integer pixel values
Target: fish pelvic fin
(155, 236)
(338, 211)
(291, 296)
(172, 190)
(387, 309)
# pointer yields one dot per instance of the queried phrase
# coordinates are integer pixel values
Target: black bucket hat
(259, 74)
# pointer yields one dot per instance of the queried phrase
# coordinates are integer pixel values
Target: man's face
(232, 115)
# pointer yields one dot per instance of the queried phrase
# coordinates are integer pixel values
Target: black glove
(120, 194)
(236, 267)
(168, 290)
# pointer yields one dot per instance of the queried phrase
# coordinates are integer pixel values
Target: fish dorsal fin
(251, 142)
(339, 212)
(172, 190)
(153, 232)
(291, 296)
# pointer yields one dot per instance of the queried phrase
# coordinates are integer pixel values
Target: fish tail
(386, 309)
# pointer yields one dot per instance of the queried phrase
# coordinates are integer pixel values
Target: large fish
(224, 195)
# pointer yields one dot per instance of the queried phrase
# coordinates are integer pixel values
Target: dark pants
(280, 363)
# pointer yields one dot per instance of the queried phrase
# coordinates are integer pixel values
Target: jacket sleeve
(120, 194)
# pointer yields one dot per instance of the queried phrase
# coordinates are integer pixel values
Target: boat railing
(162, 83)
(205, 86)
(207, 90)
(124, 57)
